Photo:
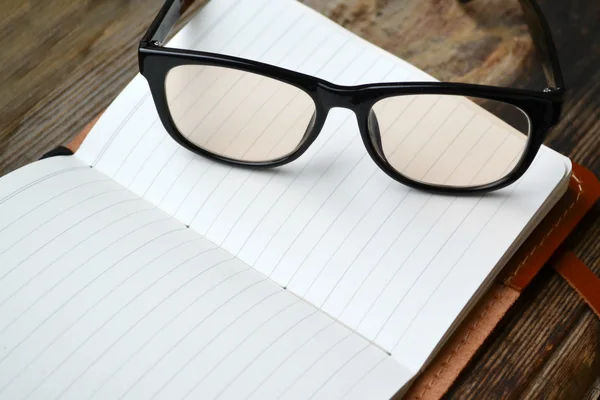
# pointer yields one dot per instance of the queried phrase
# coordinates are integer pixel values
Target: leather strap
(584, 191)
(581, 278)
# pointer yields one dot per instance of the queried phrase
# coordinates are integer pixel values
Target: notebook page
(104, 296)
(397, 265)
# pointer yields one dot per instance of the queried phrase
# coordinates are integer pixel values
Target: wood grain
(64, 61)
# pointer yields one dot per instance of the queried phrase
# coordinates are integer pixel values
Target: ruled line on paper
(91, 308)
(74, 270)
(416, 123)
(129, 329)
(237, 318)
(344, 179)
(195, 327)
(62, 232)
(40, 179)
(291, 385)
(400, 233)
(342, 243)
(243, 342)
(48, 266)
(399, 267)
(146, 97)
(288, 358)
(136, 297)
(448, 147)
(301, 264)
(157, 332)
(264, 350)
(217, 336)
(347, 362)
(45, 202)
(358, 381)
(57, 310)
(60, 213)
(416, 154)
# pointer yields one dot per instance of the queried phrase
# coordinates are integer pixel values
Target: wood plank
(594, 392)
(581, 340)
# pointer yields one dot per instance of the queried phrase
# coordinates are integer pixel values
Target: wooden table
(62, 62)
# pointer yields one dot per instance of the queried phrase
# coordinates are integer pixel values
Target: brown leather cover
(584, 190)
(436, 379)
(439, 376)
(581, 278)
(76, 142)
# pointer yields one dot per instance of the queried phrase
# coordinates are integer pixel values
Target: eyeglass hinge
(155, 43)
(553, 90)
(556, 95)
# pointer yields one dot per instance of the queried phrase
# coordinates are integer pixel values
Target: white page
(331, 227)
(112, 298)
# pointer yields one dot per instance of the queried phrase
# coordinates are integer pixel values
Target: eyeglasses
(259, 115)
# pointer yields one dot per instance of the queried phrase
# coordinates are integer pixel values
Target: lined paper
(109, 297)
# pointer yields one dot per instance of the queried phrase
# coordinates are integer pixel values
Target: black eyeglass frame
(543, 108)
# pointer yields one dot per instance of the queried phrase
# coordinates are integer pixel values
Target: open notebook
(135, 269)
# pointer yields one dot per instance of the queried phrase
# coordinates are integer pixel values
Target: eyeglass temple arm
(165, 21)
(538, 27)
(542, 40)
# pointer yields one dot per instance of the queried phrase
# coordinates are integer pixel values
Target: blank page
(102, 295)
(396, 265)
